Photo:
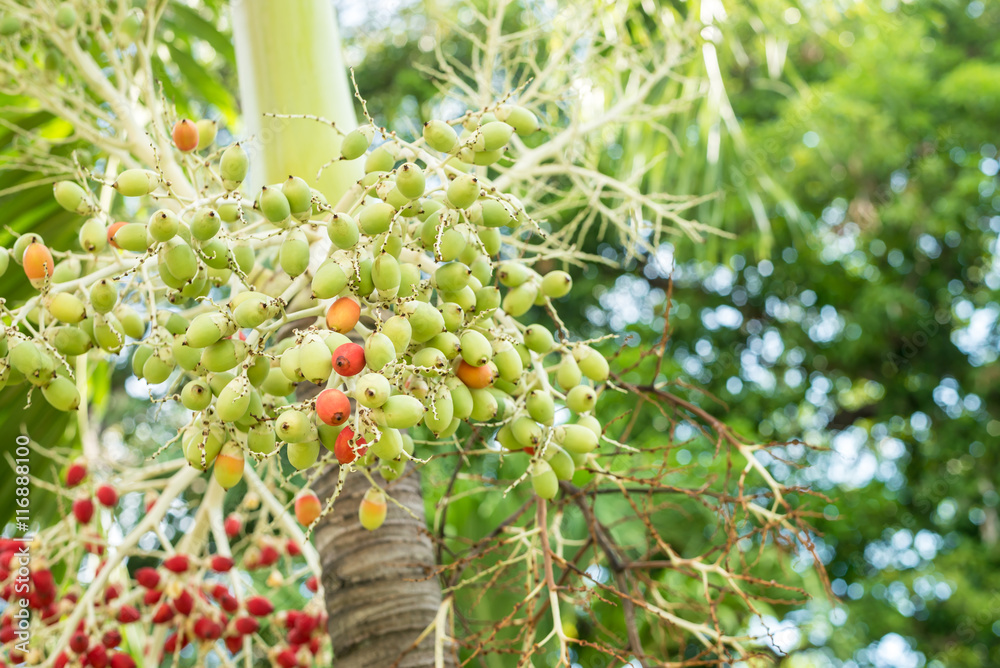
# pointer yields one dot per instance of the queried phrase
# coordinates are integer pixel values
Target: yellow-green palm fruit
(196, 287)
(139, 357)
(391, 469)
(484, 405)
(382, 159)
(72, 197)
(163, 225)
(476, 348)
(425, 320)
(576, 438)
(260, 439)
(451, 245)
(539, 339)
(244, 256)
(581, 399)
(591, 423)
(527, 432)
(568, 373)
(69, 340)
(218, 381)
(277, 384)
(561, 462)
(389, 446)
(487, 299)
(386, 275)
(274, 205)
(255, 412)
(447, 343)
(417, 386)
(463, 191)
(173, 322)
(399, 412)
(315, 360)
(136, 182)
(293, 256)
(379, 351)
(520, 299)
(556, 284)
(93, 236)
(491, 238)
(196, 395)
(544, 480)
(592, 363)
(451, 277)
(292, 426)
(363, 280)
(299, 197)
(234, 400)
(493, 214)
(180, 260)
(289, 363)
(461, 397)
(223, 355)
(66, 307)
(228, 467)
(453, 315)
(65, 16)
(440, 414)
(329, 280)
(512, 274)
(430, 361)
(258, 370)
(334, 340)
(410, 180)
(32, 362)
(507, 361)
(505, 437)
(356, 142)
(372, 390)
(398, 329)
(376, 218)
(133, 323)
(229, 212)
(493, 136)
(481, 158)
(541, 407)
(215, 254)
(132, 237)
(522, 120)
(166, 276)
(4, 260)
(10, 24)
(473, 121)
(185, 356)
(207, 131)
(205, 224)
(343, 231)
(233, 166)
(450, 429)
(208, 328)
(440, 136)
(201, 444)
(108, 333)
(304, 454)
(159, 366)
(61, 393)
(255, 310)
(409, 279)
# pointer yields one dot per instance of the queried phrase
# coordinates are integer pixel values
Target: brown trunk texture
(381, 593)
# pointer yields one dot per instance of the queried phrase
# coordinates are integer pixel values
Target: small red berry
(111, 639)
(128, 614)
(119, 660)
(164, 613)
(312, 584)
(83, 509)
(184, 603)
(177, 563)
(185, 135)
(79, 642)
(76, 473)
(233, 525)
(307, 507)
(247, 625)
(107, 495)
(258, 606)
(222, 564)
(345, 452)
(148, 577)
(333, 407)
(349, 359)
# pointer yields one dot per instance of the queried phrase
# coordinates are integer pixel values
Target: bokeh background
(852, 304)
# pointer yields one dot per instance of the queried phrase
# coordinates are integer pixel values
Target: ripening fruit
(93, 236)
(299, 196)
(556, 284)
(493, 136)
(228, 468)
(484, 404)
(163, 225)
(303, 455)
(520, 299)
(38, 264)
(208, 328)
(61, 393)
(131, 237)
(426, 322)
(333, 407)
(185, 135)
(207, 131)
(72, 197)
(206, 224)
(356, 142)
(234, 400)
(292, 426)
(581, 399)
(400, 412)
(329, 280)
(508, 362)
(373, 509)
(410, 180)
(493, 214)
(372, 390)
(398, 329)
(107, 495)
(66, 307)
(474, 377)
(451, 277)
(527, 432)
(544, 480)
(539, 339)
(65, 15)
(136, 182)
(440, 136)
(307, 507)
(476, 348)
(343, 315)
(439, 416)
(380, 160)
(463, 191)
(199, 447)
(293, 256)
(576, 438)
(592, 363)
(233, 166)
(522, 120)
(348, 448)
(376, 218)
(196, 395)
(568, 373)
(386, 275)
(343, 231)
(378, 351)
(261, 439)
(541, 406)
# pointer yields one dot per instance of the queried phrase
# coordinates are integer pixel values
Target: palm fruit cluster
(404, 303)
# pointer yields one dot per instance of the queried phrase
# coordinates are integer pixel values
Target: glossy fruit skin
(373, 509)
(307, 507)
(581, 399)
(333, 407)
(234, 166)
(302, 455)
(474, 377)
(329, 280)
(229, 464)
(207, 131)
(463, 191)
(349, 359)
(38, 264)
(136, 182)
(185, 135)
(440, 136)
(556, 284)
(343, 315)
(343, 450)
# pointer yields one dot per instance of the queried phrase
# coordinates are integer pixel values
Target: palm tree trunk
(380, 588)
